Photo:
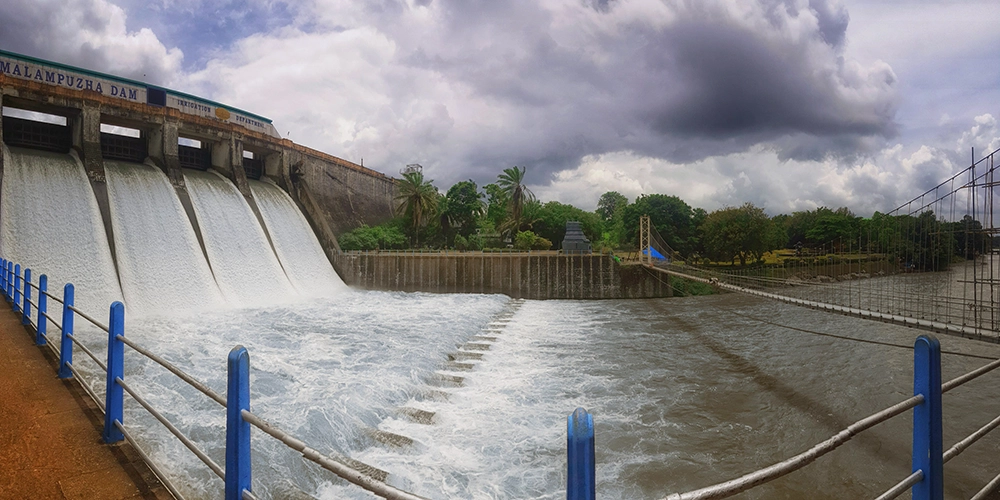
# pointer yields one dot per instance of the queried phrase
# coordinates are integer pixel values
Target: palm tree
(512, 182)
(416, 196)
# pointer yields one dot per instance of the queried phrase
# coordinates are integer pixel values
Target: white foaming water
(298, 249)
(51, 223)
(326, 370)
(162, 267)
(245, 267)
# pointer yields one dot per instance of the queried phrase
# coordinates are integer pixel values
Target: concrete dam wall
(538, 276)
(176, 132)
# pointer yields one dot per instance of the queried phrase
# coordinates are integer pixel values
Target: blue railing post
(237, 430)
(116, 371)
(26, 305)
(3, 276)
(10, 281)
(581, 466)
(17, 288)
(927, 441)
(66, 344)
(43, 309)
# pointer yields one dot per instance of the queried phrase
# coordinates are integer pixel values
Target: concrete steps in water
(449, 375)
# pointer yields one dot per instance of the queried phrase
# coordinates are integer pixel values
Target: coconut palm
(417, 197)
(512, 183)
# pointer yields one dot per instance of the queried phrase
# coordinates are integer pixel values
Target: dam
(221, 234)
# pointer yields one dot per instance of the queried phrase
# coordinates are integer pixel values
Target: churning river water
(685, 392)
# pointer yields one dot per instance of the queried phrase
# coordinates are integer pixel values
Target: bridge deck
(50, 436)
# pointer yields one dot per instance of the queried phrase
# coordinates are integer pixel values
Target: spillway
(297, 248)
(161, 264)
(50, 222)
(245, 267)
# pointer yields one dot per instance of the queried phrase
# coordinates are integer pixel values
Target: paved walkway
(50, 431)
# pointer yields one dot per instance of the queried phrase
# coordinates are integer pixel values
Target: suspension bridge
(931, 263)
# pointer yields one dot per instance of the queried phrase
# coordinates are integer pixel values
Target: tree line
(506, 214)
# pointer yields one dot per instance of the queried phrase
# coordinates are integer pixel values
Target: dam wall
(518, 275)
(177, 131)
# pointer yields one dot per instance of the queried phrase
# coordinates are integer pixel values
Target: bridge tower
(644, 241)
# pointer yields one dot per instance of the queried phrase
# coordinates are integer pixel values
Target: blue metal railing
(925, 483)
(237, 472)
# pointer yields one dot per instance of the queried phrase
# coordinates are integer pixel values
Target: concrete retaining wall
(517, 275)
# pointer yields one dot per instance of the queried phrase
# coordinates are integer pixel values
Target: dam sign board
(60, 75)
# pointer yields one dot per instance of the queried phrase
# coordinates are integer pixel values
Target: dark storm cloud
(705, 80)
(833, 21)
(730, 82)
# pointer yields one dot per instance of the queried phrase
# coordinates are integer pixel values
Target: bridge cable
(822, 334)
(855, 339)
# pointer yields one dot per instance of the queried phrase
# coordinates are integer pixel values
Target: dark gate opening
(125, 148)
(192, 157)
(254, 168)
(37, 135)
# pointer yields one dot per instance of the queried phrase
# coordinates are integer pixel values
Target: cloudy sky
(790, 104)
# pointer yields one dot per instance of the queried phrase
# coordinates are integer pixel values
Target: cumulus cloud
(466, 88)
(90, 34)
(880, 181)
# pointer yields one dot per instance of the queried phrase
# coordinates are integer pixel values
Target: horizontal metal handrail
(175, 370)
(89, 353)
(766, 474)
(86, 387)
(988, 489)
(152, 465)
(174, 430)
(247, 495)
(84, 315)
(902, 486)
(53, 297)
(957, 381)
(960, 446)
(52, 321)
(732, 487)
(52, 347)
(347, 473)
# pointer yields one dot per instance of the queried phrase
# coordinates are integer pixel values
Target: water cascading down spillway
(297, 248)
(161, 264)
(245, 267)
(50, 222)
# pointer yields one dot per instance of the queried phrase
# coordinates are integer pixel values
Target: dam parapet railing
(18, 288)
(536, 274)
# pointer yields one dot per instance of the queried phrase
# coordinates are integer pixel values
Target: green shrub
(527, 240)
(386, 236)
(524, 240)
(541, 244)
